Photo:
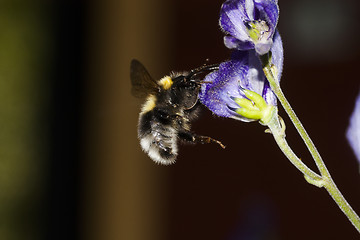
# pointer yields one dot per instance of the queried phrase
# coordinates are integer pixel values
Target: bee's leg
(192, 137)
(206, 139)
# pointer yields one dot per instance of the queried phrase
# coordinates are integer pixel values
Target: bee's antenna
(199, 70)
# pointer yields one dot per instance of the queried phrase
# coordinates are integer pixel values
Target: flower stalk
(279, 136)
(247, 86)
(325, 179)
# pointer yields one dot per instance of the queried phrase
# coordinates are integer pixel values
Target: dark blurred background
(70, 163)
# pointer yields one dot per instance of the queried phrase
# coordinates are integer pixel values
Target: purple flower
(250, 24)
(243, 71)
(353, 131)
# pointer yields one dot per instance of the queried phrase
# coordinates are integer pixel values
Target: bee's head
(183, 88)
(189, 79)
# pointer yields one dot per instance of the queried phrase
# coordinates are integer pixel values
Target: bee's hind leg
(193, 138)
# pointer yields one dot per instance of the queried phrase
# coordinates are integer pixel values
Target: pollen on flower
(258, 30)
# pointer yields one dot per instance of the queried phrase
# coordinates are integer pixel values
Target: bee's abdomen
(157, 139)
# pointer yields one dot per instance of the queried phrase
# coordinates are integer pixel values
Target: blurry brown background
(71, 166)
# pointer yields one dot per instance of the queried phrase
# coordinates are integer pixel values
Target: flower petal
(223, 84)
(353, 131)
(277, 54)
(234, 14)
(252, 22)
(268, 10)
(243, 71)
(277, 59)
(231, 42)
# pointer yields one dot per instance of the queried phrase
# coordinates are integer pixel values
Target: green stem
(299, 127)
(279, 137)
(335, 193)
(325, 179)
(310, 176)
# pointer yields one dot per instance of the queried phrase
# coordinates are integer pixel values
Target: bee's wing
(141, 81)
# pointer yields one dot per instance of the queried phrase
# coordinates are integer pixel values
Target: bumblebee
(170, 105)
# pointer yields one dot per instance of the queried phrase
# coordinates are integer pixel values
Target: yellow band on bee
(149, 104)
(165, 82)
